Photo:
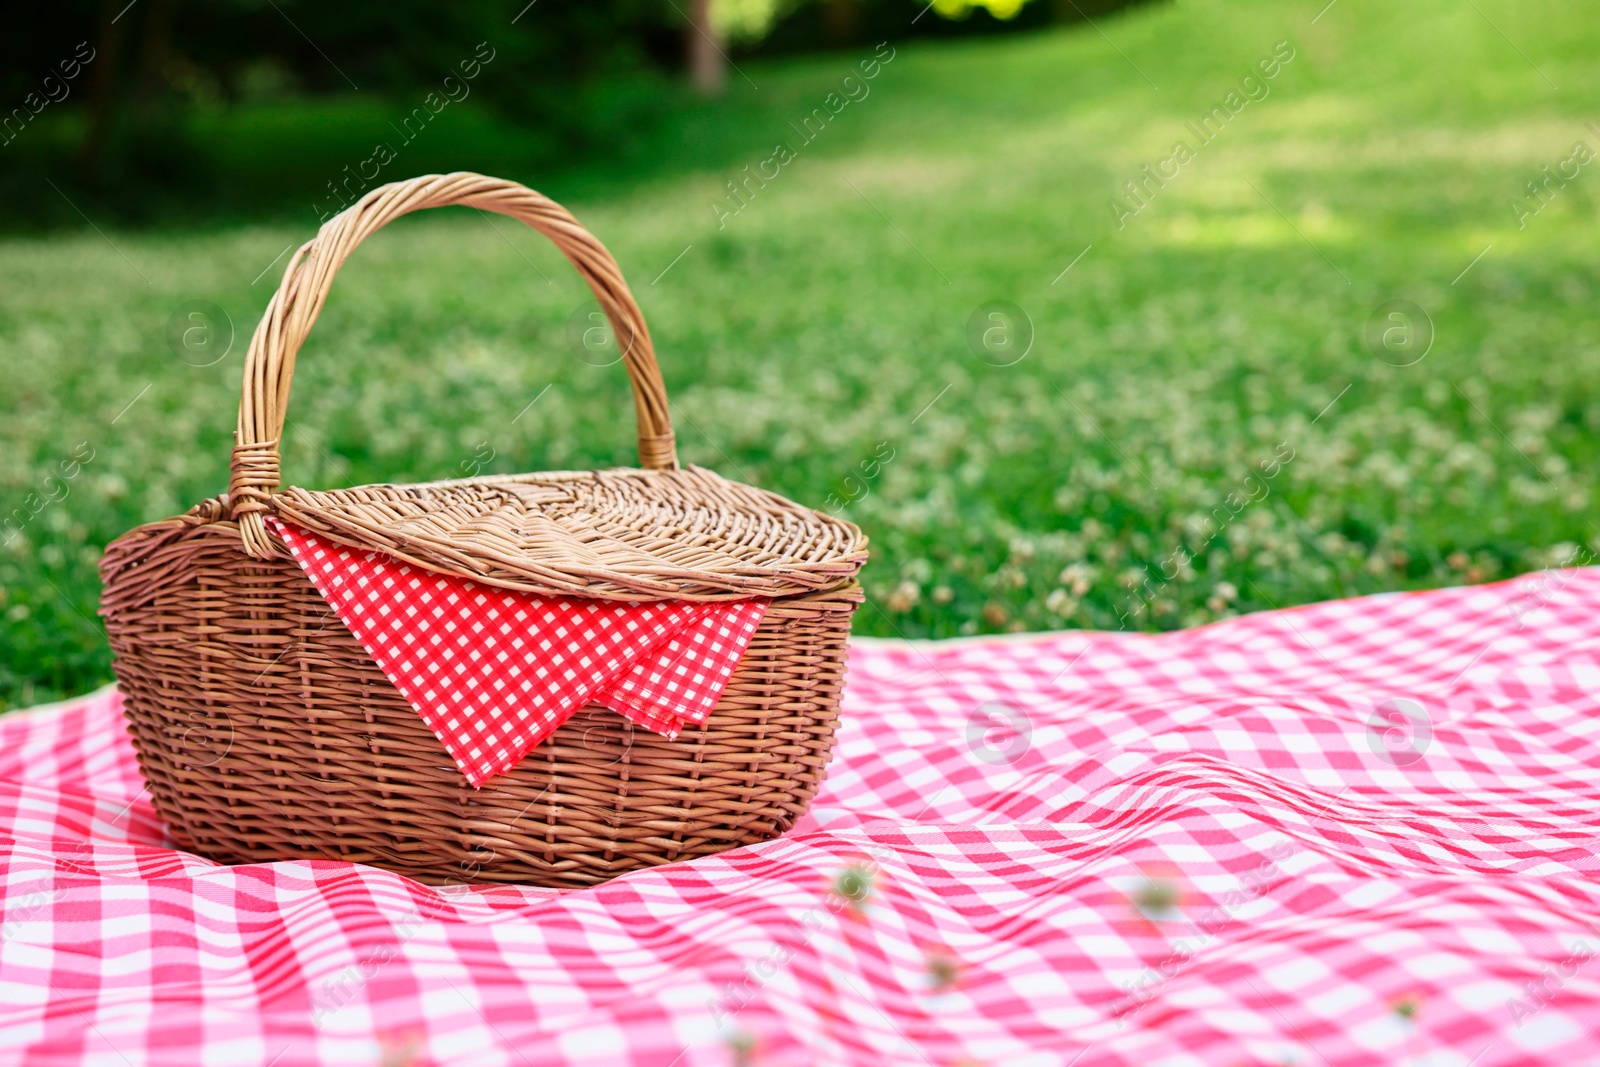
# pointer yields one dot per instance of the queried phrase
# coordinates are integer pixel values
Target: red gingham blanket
(1355, 833)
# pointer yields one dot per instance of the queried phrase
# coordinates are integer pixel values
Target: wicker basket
(266, 732)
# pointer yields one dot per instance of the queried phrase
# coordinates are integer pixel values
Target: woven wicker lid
(656, 533)
(615, 535)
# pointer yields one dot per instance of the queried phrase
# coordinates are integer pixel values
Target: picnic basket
(266, 732)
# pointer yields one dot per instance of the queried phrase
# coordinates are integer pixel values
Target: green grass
(827, 323)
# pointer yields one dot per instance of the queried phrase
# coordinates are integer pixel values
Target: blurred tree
(158, 63)
(808, 25)
(708, 64)
(746, 21)
(124, 105)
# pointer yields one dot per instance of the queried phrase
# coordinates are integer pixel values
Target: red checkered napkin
(680, 680)
(494, 672)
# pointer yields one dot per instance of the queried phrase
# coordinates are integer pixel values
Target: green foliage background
(829, 318)
(176, 112)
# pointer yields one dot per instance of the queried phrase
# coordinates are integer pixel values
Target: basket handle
(254, 473)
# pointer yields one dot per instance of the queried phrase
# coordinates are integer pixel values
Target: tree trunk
(102, 101)
(839, 20)
(708, 67)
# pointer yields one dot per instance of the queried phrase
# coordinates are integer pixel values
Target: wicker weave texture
(266, 732)
(615, 534)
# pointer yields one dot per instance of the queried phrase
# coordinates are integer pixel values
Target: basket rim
(620, 533)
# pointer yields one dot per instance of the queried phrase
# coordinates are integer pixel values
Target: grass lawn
(1200, 426)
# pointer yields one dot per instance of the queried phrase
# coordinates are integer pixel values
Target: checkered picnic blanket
(1355, 833)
